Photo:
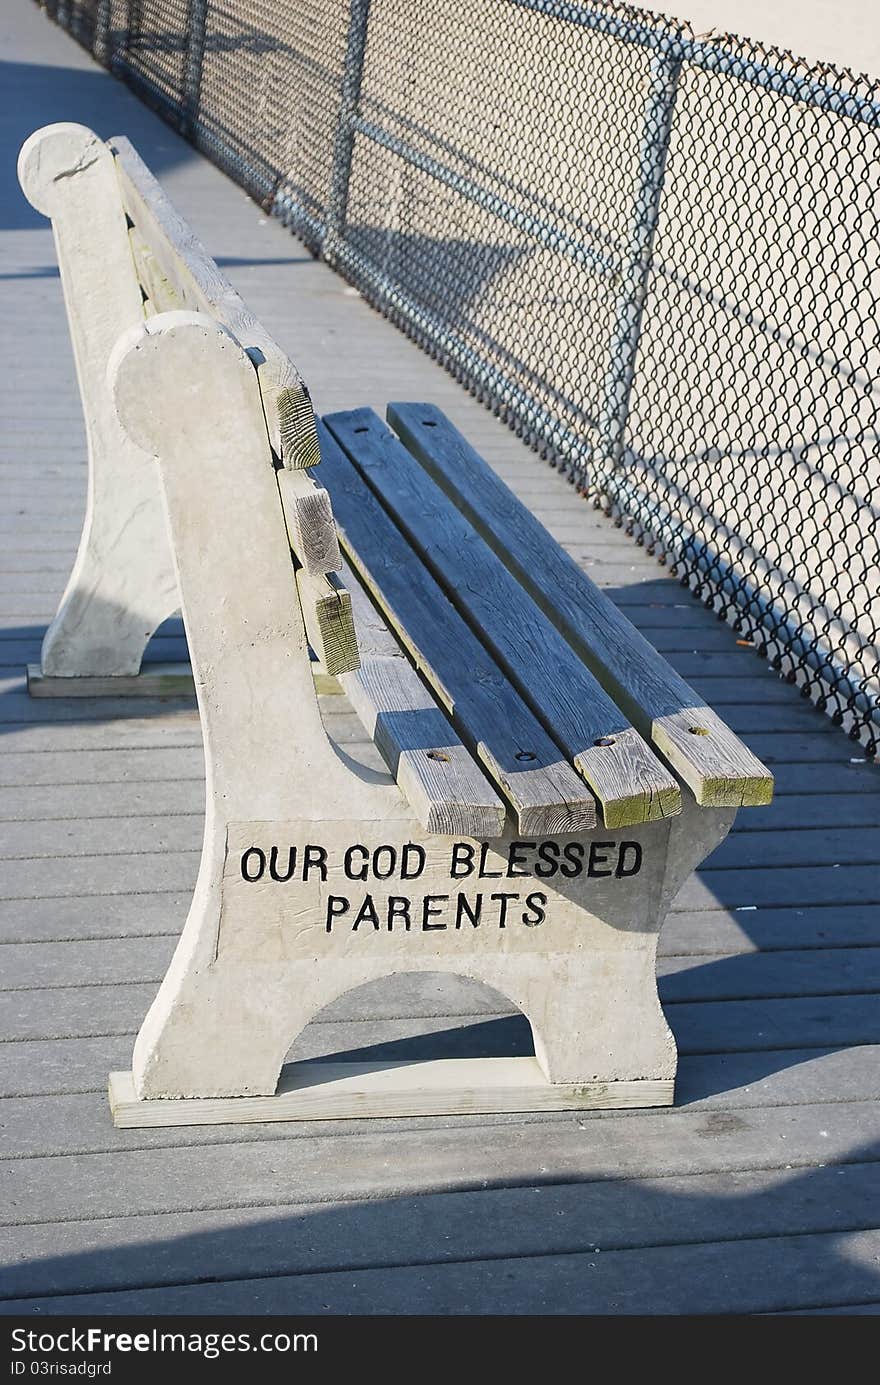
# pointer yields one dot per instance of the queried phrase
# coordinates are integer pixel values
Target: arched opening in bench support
(572, 1026)
(410, 1017)
(225, 1029)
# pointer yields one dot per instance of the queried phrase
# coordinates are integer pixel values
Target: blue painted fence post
(196, 26)
(343, 149)
(101, 40)
(636, 268)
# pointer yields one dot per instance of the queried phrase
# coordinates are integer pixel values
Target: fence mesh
(656, 257)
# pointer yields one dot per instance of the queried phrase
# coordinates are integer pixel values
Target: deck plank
(760, 1275)
(187, 1177)
(30, 986)
(511, 1223)
(69, 1124)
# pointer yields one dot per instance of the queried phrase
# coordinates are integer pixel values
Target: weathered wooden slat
(309, 520)
(696, 742)
(544, 791)
(193, 276)
(352, 1091)
(161, 294)
(180, 273)
(326, 608)
(630, 783)
(443, 785)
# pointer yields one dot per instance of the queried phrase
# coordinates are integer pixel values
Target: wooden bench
(552, 781)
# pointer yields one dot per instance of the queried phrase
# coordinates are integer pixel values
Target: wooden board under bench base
(154, 680)
(355, 1091)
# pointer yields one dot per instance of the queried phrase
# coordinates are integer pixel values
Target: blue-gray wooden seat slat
(630, 783)
(676, 720)
(543, 790)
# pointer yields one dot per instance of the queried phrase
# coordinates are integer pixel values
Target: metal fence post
(636, 268)
(101, 41)
(343, 148)
(196, 26)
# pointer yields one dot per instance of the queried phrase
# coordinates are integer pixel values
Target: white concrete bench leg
(314, 881)
(122, 585)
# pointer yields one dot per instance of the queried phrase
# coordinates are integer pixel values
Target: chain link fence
(655, 257)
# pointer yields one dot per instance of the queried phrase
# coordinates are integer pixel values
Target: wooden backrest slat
(721, 771)
(194, 277)
(326, 608)
(309, 519)
(546, 795)
(595, 684)
(177, 272)
(630, 782)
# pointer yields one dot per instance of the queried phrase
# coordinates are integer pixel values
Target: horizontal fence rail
(655, 256)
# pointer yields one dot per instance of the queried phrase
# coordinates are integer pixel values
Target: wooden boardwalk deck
(758, 1192)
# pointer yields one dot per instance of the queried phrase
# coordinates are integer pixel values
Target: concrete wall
(843, 32)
